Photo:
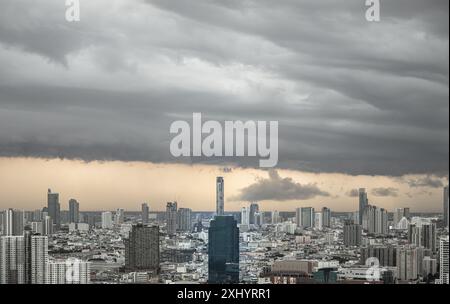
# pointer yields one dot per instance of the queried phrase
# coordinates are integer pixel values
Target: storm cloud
(278, 189)
(350, 96)
(384, 192)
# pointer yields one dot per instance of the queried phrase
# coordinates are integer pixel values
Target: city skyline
(94, 186)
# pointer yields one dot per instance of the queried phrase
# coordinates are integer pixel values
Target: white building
(70, 271)
(12, 260)
(318, 220)
(39, 259)
(443, 251)
(245, 216)
(107, 222)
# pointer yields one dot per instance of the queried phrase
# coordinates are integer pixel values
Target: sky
(86, 107)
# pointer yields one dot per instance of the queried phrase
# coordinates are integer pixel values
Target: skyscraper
(107, 222)
(363, 202)
(171, 218)
(53, 208)
(352, 234)
(142, 248)
(119, 217)
(399, 214)
(12, 222)
(254, 208)
(326, 217)
(245, 216)
(223, 250)
(307, 217)
(74, 211)
(184, 219)
(409, 262)
(144, 213)
(12, 260)
(38, 254)
(446, 206)
(375, 220)
(443, 254)
(220, 196)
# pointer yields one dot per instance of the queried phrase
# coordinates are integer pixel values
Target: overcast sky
(351, 97)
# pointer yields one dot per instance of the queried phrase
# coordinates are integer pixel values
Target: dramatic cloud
(384, 192)
(277, 188)
(352, 193)
(350, 96)
(424, 181)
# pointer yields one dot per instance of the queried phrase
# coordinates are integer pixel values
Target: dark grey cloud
(384, 192)
(424, 181)
(278, 189)
(352, 193)
(350, 96)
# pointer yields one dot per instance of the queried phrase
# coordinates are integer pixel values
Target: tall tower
(53, 208)
(171, 218)
(223, 250)
(145, 210)
(443, 253)
(363, 202)
(446, 206)
(13, 222)
(74, 211)
(219, 196)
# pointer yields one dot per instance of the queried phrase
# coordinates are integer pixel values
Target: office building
(352, 234)
(171, 218)
(363, 202)
(74, 211)
(144, 213)
(70, 271)
(107, 222)
(184, 219)
(326, 217)
(119, 217)
(443, 260)
(223, 250)
(54, 209)
(142, 248)
(245, 216)
(254, 208)
(12, 222)
(307, 218)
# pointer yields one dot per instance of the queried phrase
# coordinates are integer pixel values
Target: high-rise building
(245, 216)
(423, 235)
(254, 208)
(142, 248)
(171, 217)
(429, 237)
(352, 234)
(318, 220)
(375, 220)
(386, 255)
(409, 262)
(119, 217)
(38, 259)
(275, 217)
(13, 222)
(259, 219)
(47, 225)
(399, 214)
(54, 208)
(74, 211)
(184, 219)
(443, 259)
(144, 213)
(307, 217)
(326, 217)
(107, 222)
(446, 206)
(363, 202)
(223, 250)
(70, 271)
(220, 208)
(298, 216)
(12, 260)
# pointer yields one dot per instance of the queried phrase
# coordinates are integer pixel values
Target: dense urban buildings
(248, 246)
